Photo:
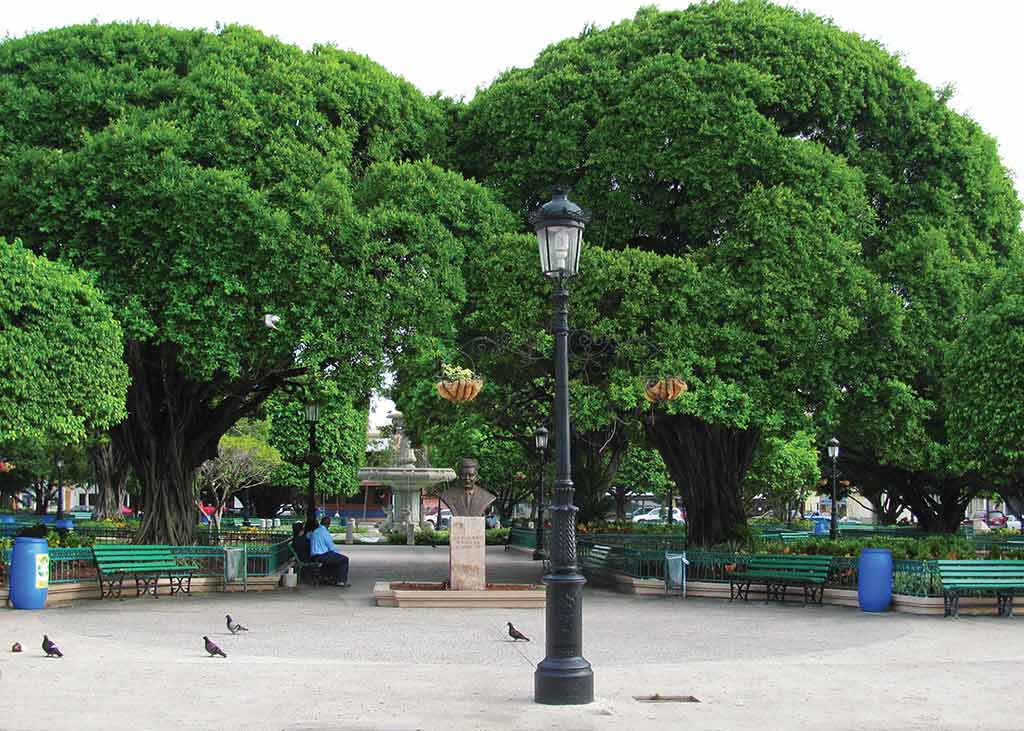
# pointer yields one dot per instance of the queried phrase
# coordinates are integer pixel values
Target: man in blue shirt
(322, 550)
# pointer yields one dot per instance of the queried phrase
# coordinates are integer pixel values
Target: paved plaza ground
(328, 659)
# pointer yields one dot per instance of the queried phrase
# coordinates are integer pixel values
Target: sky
(456, 47)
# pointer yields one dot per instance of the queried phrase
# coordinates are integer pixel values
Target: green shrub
(492, 537)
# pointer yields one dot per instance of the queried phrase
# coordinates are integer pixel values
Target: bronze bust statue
(465, 497)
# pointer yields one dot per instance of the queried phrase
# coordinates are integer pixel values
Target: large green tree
(209, 179)
(985, 375)
(771, 159)
(61, 373)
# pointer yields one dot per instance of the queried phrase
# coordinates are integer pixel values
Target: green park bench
(146, 564)
(309, 569)
(1003, 578)
(596, 563)
(778, 572)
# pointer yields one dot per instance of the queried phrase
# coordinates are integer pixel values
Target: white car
(446, 518)
(1013, 522)
(659, 515)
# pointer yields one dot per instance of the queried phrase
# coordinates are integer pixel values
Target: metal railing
(68, 565)
(917, 578)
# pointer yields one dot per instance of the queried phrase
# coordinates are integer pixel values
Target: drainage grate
(659, 698)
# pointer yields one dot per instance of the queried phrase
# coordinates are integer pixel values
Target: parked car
(446, 518)
(1013, 522)
(659, 515)
(996, 519)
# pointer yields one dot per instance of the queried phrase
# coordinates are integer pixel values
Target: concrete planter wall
(73, 591)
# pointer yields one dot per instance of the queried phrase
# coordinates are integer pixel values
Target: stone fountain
(467, 556)
(406, 481)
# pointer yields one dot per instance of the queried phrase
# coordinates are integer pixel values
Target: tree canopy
(814, 220)
(210, 179)
(61, 373)
(986, 381)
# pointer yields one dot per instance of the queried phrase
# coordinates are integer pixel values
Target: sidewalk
(328, 659)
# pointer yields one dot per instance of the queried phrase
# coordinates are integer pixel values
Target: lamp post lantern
(540, 440)
(563, 677)
(313, 459)
(833, 453)
(60, 488)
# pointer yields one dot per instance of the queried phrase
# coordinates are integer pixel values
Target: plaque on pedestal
(467, 544)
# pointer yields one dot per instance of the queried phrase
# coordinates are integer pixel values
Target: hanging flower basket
(457, 384)
(460, 391)
(664, 389)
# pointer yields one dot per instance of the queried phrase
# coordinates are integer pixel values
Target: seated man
(321, 546)
(300, 542)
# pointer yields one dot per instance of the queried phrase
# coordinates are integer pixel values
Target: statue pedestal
(467, 554)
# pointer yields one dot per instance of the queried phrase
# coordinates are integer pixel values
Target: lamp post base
(564, 682)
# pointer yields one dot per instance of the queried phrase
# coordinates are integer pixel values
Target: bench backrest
(966, 571)
(127, 554)
(598, 554)
(786, 563)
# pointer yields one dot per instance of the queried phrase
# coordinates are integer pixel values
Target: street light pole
(563, 677)
(313, 459)
(833, 452)
(60, 488)
(540, 438)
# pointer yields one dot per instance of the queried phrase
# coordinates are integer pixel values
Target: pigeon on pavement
(233, 626)
(51, 649)
(516, 634)
(212, 648)
(16, 647)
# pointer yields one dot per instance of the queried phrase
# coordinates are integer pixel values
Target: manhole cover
(659, 698)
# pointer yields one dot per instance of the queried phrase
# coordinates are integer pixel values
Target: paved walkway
(327, 659)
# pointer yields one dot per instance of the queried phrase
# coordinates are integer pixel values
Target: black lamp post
(313, 458)
(833, 453)
(540, 440)
(60, 488)
(563, 677)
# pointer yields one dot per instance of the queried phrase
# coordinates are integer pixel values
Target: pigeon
(234, 627)
(271, 320)
(51, 649)
(16, 647)
(516, 634)
(212, 648)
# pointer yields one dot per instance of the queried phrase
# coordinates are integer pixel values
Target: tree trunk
(620, 503)
(596, 457)
(938, 503)
(43, 492)
(266, 502)
(111, 468)
(174, 425)
(939, 506)
(707, 463)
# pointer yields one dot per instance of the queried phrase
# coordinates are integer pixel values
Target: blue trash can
(48, 519)
(874, 579)
(8, 519)
(65, 524)
(821, 527)
(30, 573)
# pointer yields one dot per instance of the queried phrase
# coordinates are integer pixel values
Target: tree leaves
(61, 373)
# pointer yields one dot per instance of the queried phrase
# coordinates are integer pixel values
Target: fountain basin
(423, 594)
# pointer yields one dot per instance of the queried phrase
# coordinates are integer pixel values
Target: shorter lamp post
(313, 459)
(540, 440)
(60, 488)
(833, 453)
